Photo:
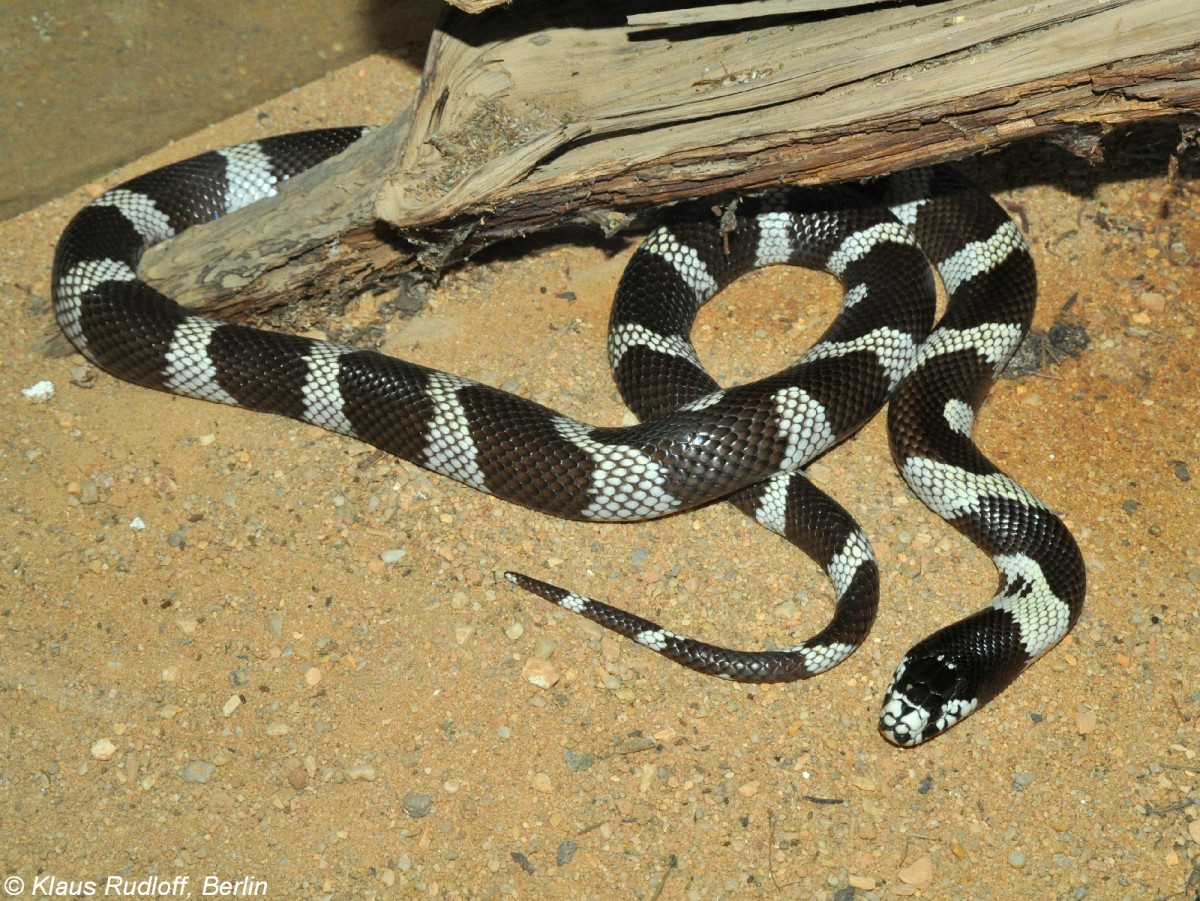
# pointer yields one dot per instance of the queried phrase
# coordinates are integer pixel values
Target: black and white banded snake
(696, 442)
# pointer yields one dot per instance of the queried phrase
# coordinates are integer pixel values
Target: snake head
(927, 695)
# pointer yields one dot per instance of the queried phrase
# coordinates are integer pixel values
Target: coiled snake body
(697, 442)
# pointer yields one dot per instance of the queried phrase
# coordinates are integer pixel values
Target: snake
(695, 442)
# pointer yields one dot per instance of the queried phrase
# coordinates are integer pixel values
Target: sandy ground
(237, 648)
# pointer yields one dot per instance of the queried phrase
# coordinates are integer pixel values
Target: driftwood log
(542, 113)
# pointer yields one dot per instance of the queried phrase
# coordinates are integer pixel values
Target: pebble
(196, 771)
(919, 873)
(313, 677)
(234, 702)
(515, 631)
(276, 729)
(866, 883)
(541, 673)
(275, 624)
(103, 749)
(393, 555)
(1016, 859)
(297, 777)
(40, 392)
(578, 761)
(566, 850)
(610, 649)
(82, 376)
(417, 804)
(541, 782)
(544, 647)
(1085, 722)
(363, 772)
(1153, 301)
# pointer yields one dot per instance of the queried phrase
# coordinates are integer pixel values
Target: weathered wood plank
(561, 113)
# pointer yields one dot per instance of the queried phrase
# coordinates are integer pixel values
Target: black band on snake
(697, 442)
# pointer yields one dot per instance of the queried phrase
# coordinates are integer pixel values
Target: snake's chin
(927, 696)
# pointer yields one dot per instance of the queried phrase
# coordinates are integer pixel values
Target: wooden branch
(554, 113)
(737, 12)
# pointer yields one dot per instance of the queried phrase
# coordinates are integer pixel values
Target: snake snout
(927, 696)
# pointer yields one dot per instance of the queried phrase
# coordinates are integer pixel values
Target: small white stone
(103, 749)
(40, 392)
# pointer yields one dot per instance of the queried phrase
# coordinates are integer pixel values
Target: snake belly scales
(696, 441)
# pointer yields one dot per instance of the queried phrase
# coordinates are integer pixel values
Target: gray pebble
(1021, 780)
(578, 761)
(275, 624)
(565, 852)
(639, 555)
(1016, 858)
(417, 804)
(196, 771)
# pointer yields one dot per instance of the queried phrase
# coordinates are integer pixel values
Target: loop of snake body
(697, 442)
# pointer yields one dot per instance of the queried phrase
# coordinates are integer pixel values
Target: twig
(672, 864)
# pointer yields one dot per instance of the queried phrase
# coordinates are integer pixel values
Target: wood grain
(564, 113)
